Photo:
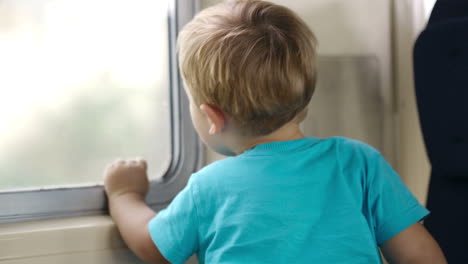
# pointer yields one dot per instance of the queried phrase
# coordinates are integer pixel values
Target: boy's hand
(126, 177)
(126, 184)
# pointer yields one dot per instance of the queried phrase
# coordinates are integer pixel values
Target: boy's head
(252, 60)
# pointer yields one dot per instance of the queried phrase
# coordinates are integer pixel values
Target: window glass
(82, 82)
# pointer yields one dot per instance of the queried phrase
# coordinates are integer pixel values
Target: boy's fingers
(118, 161)
(141, 162)
(135, 162)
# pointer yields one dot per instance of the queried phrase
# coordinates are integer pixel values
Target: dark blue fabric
(446, 10)
(441, 74)
(441, 77)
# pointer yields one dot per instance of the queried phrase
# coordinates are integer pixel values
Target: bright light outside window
(82, 82)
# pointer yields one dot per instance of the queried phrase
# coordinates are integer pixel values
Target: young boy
(249, 72)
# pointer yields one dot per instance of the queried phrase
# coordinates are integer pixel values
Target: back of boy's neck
(290, 131)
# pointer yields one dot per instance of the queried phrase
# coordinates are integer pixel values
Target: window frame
(187, 155)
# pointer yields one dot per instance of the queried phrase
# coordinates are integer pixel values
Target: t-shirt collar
(280, 146)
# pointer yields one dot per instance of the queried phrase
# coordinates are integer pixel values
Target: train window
(84, 82)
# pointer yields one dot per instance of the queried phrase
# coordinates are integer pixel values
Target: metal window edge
(186, 152)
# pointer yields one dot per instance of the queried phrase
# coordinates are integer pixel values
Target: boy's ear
(215, 117)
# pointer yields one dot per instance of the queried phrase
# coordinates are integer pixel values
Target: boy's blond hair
(252, 59)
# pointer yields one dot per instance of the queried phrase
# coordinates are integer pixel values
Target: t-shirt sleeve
(174, 230)
(393, 207)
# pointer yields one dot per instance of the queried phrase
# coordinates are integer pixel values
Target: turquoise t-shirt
(303, 201)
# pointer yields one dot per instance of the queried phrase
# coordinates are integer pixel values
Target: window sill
(61, 237)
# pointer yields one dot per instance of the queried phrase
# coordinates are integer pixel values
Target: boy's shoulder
(354, 145)
(215, 168)
(355, 151)
(224, 174)
(342, 147)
